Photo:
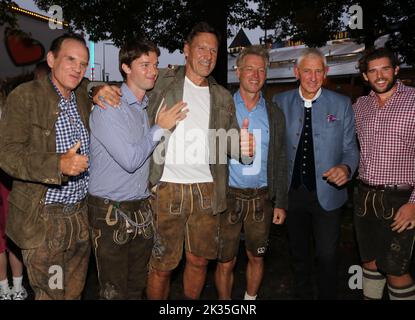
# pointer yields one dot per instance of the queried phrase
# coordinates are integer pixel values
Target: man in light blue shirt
(258, 123)
(257, 192)
(121, 145)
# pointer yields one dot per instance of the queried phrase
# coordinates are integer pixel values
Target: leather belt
(68, 209)
(388, 187)
(127, 205)
(250, 192)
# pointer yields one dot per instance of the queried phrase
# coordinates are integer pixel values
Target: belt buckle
(402, 187)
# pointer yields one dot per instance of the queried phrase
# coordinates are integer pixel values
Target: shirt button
(306, 134)
(303, 172)
(305, 141)
(303, 164)
(47, 133)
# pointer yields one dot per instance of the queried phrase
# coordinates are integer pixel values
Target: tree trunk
(216, 16)
(369, 28)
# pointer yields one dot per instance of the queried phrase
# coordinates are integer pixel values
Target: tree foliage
(311, 21)
(164, 21)
(6, 15)
(395, 18)
(167, 22)
(315, 21)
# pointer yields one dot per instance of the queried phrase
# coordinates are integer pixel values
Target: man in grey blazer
(322, 157)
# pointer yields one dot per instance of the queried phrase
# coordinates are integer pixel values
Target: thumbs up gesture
(72, 163)
(247, 140)
(75, 147)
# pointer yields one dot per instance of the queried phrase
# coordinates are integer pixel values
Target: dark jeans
(122, 251)
(307, 219)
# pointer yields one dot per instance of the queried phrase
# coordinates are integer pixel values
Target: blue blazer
(334, 138)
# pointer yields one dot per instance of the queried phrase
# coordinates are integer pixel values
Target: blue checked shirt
(69, 130)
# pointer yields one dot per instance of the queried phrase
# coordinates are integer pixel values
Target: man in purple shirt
(121, 144)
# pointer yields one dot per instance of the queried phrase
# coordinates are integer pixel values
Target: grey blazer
(334, 138)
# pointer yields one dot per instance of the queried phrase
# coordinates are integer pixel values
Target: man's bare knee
(195, 261)
(254, 259)
(159, 274)
(400, 281)
(370, 265)
(226, 267)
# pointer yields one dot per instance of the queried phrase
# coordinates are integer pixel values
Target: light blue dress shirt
(240, 175)
(121, 145)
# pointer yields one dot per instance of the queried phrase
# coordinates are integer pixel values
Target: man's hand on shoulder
(108, 94)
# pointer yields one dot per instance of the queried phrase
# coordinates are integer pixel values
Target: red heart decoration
(23, 50)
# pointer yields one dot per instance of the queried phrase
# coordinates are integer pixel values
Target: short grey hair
(311, 52)
(257, 50)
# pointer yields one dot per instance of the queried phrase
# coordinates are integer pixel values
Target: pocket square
(331, 118)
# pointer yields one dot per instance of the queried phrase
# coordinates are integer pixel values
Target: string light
(40, 16)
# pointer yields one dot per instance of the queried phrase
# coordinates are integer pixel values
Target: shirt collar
(130, 97)
(308, 103)
(260, 104)
(61, 97)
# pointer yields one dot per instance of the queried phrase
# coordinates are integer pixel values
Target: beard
(388, 87)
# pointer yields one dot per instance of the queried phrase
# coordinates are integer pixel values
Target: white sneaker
(5, 295)
(19, 295)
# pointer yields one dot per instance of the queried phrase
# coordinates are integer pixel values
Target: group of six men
(172, 159)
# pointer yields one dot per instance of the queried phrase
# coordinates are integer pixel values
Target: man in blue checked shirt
(121, 144)
(44, 145)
